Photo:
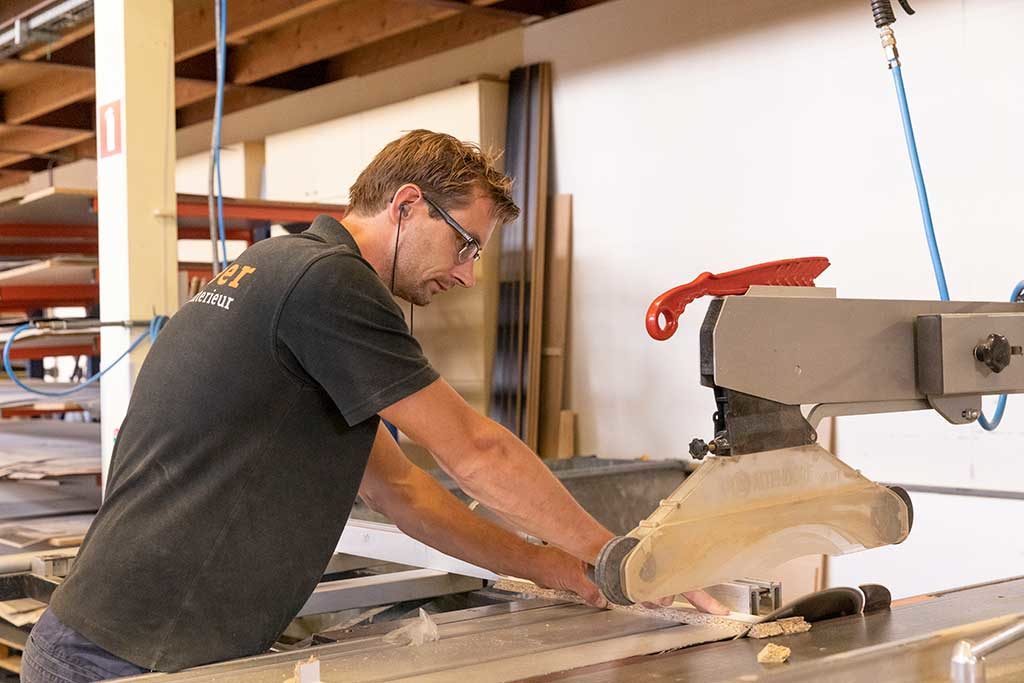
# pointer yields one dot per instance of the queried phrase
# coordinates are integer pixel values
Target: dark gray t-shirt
(241, 454)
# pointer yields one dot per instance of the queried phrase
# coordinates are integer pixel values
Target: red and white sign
(108, 127)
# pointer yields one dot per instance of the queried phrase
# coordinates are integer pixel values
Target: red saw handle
(797, 272)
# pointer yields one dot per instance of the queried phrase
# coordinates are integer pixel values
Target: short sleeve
(347, 333)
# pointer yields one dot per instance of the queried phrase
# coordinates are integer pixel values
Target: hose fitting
(892, 55)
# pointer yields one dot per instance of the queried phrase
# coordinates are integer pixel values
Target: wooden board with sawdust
(739, 623)
(782, 627)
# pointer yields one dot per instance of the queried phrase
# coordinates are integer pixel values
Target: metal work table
(910, 642)
(519, 640)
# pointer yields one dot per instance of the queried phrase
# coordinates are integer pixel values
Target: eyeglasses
(471, 249)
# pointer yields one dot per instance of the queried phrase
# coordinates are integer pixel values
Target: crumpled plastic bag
(423, 630)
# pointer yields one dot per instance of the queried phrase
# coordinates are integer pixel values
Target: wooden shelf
(62, 221)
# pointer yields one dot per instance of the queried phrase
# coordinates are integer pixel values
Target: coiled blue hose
(155, 325)
(929, 228)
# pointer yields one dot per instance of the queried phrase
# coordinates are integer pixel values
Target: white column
(135, 175)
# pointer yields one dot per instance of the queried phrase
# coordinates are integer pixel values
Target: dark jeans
(58, 654)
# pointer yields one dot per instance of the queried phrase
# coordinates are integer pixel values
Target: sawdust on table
(782, 627)
(773, 654)
(680, 616)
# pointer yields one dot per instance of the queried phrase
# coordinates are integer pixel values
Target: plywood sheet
(554, 350)
(64, 270)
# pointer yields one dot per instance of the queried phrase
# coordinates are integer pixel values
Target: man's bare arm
(497, 469)
(425, 510)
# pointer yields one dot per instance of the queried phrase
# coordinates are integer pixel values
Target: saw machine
(780, 355)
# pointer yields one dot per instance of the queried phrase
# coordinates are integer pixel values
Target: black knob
(994, 352)
(698, 449)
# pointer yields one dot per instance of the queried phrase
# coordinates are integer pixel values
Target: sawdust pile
(773, 654)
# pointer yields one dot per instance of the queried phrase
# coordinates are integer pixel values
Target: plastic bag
(423, 630)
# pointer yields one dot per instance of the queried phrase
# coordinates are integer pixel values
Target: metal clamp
(967, 664)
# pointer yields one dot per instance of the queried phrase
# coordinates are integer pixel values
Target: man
(256, 419)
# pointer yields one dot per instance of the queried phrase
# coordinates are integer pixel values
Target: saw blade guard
(746, 514)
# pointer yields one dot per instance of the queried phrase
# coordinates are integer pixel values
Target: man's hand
(561, 571)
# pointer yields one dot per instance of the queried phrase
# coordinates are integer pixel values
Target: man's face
(429, 248)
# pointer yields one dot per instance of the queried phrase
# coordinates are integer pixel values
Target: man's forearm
(511, 480)
(432, 515)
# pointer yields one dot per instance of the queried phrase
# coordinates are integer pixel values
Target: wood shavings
(307, 671)
(781, 627)
(22, 611)
(773, 654)
(680, 616)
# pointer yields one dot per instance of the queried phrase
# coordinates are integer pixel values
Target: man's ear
(401, 204)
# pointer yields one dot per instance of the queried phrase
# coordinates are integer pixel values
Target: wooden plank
(65, 270)
(9, 177)
(540, 127)
(193, 21)
(462, 29)
(556, 324)
(11, 663)
(57, 86)
(23, 142)
(67, 37)
(13, 9)
(254, 154)
(190, 90)
(566, 435)
(680, 612)
(17, 72)
(331, 31)
(236, 98)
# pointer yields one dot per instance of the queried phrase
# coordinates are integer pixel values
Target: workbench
(550, 641)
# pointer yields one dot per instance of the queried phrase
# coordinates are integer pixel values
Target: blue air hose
(222, 37)
(922, 193)
(929, 228)
(997, 417)
(215, 199)
(155, 326)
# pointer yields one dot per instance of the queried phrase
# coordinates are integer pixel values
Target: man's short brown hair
(445, 168)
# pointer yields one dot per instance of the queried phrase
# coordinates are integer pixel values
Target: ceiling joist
(46, 95)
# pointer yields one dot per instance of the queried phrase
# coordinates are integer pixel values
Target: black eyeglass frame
(472, 249)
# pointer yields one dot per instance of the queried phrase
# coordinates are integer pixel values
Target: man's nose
(465, 274)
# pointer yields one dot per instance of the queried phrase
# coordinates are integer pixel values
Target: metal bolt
(698, 449)
(971, 414)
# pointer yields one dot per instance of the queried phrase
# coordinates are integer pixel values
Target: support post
(135, 178)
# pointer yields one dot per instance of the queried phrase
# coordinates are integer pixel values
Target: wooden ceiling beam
(18, 143)
(8, 178)
(55, 86)
(236, 98)
(462, 29)
(12, 9)
(339, 28)
(190, 90)
(193, 21)
(38, 89)
(67, 37)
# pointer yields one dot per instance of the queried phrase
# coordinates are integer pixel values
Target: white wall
(191, 173)
(711, 135)
(191, 176)
(319, 163)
